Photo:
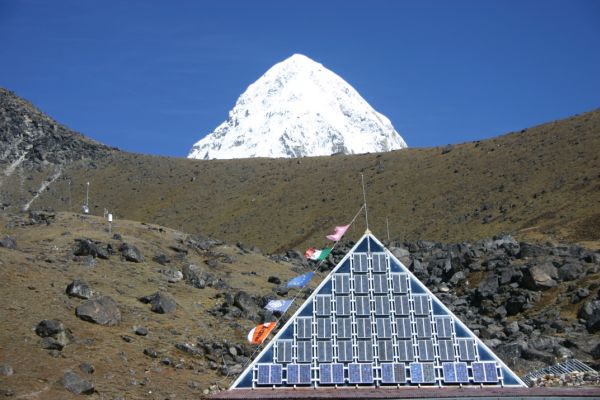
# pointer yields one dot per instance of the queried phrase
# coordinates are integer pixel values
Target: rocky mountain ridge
(299, 108)
(29, 137)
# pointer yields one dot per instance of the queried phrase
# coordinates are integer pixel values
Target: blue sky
(155, 76)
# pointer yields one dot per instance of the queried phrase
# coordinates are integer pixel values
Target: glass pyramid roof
(371, 322)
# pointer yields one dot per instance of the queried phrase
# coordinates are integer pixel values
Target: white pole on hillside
(362, 178)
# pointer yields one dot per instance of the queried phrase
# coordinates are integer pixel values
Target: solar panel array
(371, 322)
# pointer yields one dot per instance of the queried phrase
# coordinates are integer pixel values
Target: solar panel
(342, 305)
(425, 350)
(401, 305)
(423, 327)
(324, 351)
(386, 350)
(380, 283)
(323, 304)
(304, 327)
(363, 327)
(462, 375)
(344, 328)
(449, 373)
(284, 351)
(363, 306)
(264, 374)
(428, 372)
(379, 262)
(269, 374)
(382, 305)
(444, 327)
(331, 373)
(361, 284)
(405, 350)
(384, 327)
(403, 327)
(360, 262)
(478, 372)
(466, 349)
(446, 350)
(399, 283)
(421, 304)
(323, 328)
(393, 373)
(360, 373)
(416, 373)
(298, 374)
(304, 350)
(365, 350)
(491, 373)
(341, 283)
(344, 350)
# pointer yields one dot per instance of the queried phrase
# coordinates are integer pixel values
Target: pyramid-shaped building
(372, 323)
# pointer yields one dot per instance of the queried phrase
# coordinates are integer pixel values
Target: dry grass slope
(540, 183)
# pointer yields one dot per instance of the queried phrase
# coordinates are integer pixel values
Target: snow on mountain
(299, 108)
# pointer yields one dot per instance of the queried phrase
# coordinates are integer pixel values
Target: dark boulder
(273, 279)
(515, 304)
(488, 287)
(245, 302)
(49, 327)
(8, 243)
(510, 275)
(528, 250)
(75, 384)
(570, 272)
(538, 355)
(101, 311)
(87, 247)
(130, 253)
(590, 313)
(80, 289)
(160, 303)
(161, 258)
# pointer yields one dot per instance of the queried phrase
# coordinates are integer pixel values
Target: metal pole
(69, 195)
(362, 178)
(87, 194)
(387, 224)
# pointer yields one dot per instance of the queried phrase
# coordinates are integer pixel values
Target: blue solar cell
(354, 373)
(298, 374)
(393, 373)
(331, 373)
(360, 373)
(478, 372)
(338, 373)
(325, 374)
(276, 372)
(462, 375)
(264, 374)
(416, 374)
(449, 372)
(491, 373)
(428, 373)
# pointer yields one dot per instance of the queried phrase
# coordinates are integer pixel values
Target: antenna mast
(362, 178)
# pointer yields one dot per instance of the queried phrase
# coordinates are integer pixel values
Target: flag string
(301, 291)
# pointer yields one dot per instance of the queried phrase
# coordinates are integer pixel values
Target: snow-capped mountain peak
(299, 108)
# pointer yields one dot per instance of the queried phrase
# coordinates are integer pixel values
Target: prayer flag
(300, 281)
(259, 334)
(317, 255)
(278, 305)
(339, 232)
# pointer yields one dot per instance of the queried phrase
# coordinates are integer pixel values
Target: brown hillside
(542, 182)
